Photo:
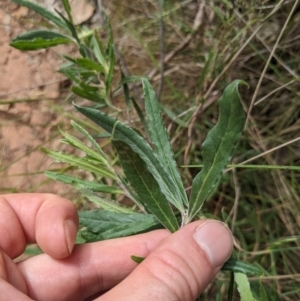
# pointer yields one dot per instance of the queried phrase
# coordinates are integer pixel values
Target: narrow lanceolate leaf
(82, 184)
(67, 8)
(110, 58)
(42, 11)
(91, 95)
(145, 185)
(160, 138)
(140, 146)
(89, 137)
(218, 146)
(98, 51)
(105, 203)
(39, 39)
(243, 286)
(84, 163)
(238, 266)
(89, 64)
(82, 146)
(103, 224)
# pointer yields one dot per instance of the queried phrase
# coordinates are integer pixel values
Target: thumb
(181, 266)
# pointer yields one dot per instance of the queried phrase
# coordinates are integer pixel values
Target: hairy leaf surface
(89, 64)
(39, 39)
(89, 137)
(82, 146)
(105, 203)
(85, 163)
(239, 266)
(103, 224)
(243, 287)
(90, 95)
(145, 185)
(140, 146)
(218, 146)
(82, 184)
(160, 138)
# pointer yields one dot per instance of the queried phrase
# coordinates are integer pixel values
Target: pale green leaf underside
(140, 146)
(39, 39)
(82, 146)
(82, 184)
(103, 224)
(89, 137)
(84, 163)
(105, 203)
(243, 287)
(218, 146)
(145, 185)
(42, 11)
(160, 138)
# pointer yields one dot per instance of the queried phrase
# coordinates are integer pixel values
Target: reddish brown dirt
(24, 126)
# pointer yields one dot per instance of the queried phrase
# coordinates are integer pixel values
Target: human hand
(176, 267)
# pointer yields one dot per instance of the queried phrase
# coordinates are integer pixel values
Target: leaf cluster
(150, 176)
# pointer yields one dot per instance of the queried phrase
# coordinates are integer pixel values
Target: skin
(176, 266)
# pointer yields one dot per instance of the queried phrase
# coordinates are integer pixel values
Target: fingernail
(70, 232)
(215, 240)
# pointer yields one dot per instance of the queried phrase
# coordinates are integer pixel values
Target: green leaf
(259, 292)
(145, 185)
(139, 112)
(89, 64)
(129, 79)
(105, 203)
(137, 259)
(42, 12)
(82, 146)
(99, 52)
(239, 266)
(70, 75)
(93, 96)
(231, 287)
(173, 116)
(126, 94)
(72, 30)
(67, 8)
(106, 224)
(160, 138)
(84, 163)
(77, 72)
(140, 146)
(88, 136)
(218, 146)
(243, 287)
(82, 184)
(111, 58)
(39, 39)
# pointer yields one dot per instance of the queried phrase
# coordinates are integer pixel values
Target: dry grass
(206, 46)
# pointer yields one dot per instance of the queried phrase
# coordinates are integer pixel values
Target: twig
(267, 152)
(269, 60)
(197, 23)
(100, 12)
(162, 47)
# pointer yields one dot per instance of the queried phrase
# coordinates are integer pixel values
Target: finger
(8, 292)
(91, 268)
(47, 219)
(180, 267)
(10, 273)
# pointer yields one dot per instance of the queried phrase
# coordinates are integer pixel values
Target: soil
(29, 89)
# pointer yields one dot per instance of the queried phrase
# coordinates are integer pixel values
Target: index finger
(46, 219)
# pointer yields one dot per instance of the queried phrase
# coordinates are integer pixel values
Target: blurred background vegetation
(191, 50)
